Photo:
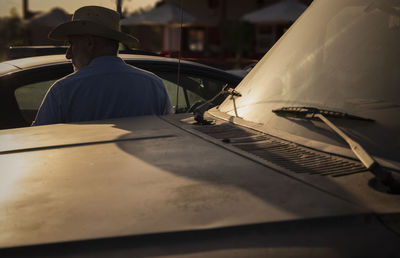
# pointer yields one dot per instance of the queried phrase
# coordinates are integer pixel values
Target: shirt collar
(105, 59)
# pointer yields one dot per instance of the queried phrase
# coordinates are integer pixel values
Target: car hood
(145, 175)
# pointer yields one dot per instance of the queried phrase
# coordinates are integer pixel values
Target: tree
(237, 38)
(12, 32)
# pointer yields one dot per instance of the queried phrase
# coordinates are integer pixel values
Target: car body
(17, 52)
(242, 72)
(24, 82)
(253, 181)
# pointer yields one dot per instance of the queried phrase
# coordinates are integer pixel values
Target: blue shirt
(106, 88)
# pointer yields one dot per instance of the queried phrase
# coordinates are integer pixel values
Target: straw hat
(93, 20)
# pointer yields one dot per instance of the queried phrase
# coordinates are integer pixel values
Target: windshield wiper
(309, 112)
(384, 179)
(200, 110)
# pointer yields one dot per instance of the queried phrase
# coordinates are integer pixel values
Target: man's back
(106, 88)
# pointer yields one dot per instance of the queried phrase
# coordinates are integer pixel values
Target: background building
(215, 32)
(222, 33)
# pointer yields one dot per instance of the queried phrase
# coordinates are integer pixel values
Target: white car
(301, 160)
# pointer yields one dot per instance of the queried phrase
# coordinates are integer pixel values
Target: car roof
(14, 65)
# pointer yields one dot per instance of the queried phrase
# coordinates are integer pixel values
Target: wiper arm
(200, 110)
(386, 181)
(309, 112)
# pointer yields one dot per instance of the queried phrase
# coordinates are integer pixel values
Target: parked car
(16, 52)
(242, 72)
(24, 82)
(301, 160)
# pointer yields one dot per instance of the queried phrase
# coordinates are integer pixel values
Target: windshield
(340, 55)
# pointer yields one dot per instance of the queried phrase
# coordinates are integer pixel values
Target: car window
(207, 87)
(171, 88)
(29, 97)
(193, 89)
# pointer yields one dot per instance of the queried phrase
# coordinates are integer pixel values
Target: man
(103, 86)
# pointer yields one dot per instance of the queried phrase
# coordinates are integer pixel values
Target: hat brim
(62, 31)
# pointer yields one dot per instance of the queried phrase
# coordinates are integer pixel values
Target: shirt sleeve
(50, 110)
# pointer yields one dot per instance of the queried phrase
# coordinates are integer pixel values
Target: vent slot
(289, 155)
(223, 131)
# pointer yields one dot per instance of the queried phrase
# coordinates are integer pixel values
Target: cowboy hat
(93, 20)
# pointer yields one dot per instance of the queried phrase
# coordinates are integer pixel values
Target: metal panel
(286, 154)
(66, 191)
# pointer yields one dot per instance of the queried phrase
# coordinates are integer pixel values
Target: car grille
(289, 155)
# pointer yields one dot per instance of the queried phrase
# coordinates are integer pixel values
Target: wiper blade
(385, 180)
(308, 112)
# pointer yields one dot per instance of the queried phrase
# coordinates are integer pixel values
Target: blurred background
(228, 34)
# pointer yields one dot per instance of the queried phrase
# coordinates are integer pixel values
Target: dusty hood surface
(138, 176)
